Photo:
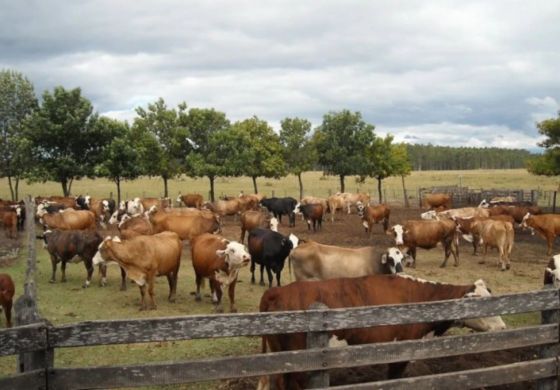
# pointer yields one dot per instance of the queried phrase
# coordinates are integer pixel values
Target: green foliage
(401, 162)
(17, 102)
(65, 140)
(549, 163)
(299, 153)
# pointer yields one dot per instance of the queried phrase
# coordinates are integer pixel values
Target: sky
(459, 73)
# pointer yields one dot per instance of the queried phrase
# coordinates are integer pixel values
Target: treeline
(440, 158)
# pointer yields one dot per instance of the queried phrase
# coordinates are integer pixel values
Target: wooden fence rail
(318, 358)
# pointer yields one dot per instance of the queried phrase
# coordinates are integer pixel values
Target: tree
(549, 163)
(401, 166)
(258, 150)
(17, 102)
(342, 141)
(299, 153)
(164, 154)
(65, 141)
(121, 160)
(380, 164)
(211, 145)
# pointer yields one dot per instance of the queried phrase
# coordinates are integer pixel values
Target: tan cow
(437, 201)
(465, 227)
(143, 258)
(191, 200)
(130, 227)
(255, 219)
(335, 202)
(68, 219)
(186, 225)
(464, 212)
(352, 199)
(547, 225)
(224, 207)
(495, 234)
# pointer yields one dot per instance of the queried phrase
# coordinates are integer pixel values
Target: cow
(191, 200)
(519, 212)
(132, 207)
(547, 225)
(186, 225)
(552, 272)
(67, 201)
(374, 214)
(281, 206)
(102, 208)
(269, 249)
(371, 290)
(224, 207)
(143, 258)
(9, 219)
(160, 203)
(19, 207)
(68, 219)
(335, 202)
(426, 235)
(314, 261)
(464, 226)
(351, 199)
(315, 200)
(219, 260)
(437, 200)
(7, 290)
(253, 219)
(312, 213)
(249, 202)
(130, 227)
(464, 212)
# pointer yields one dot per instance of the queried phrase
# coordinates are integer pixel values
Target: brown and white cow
(219, 260)
(352, 199)
(312, 213)
(224, 207)
(374, 214)
(426, 235)
(314, 261)
(143, 258)
(438, 201)
(547, 225)
(7, 290)
(191, 200)
(552, 271)
(369, 290)
(67, 201)
(130, 227)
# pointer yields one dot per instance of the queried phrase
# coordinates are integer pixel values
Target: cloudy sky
(462, 73)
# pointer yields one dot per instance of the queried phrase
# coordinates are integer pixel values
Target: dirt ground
(528, 262)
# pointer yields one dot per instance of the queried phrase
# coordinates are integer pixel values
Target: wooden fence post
(320, 378)
(26, 305)
(549, 317)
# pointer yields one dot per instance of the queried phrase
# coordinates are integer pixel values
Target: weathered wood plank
(304, 360)
(549, 317)
(491, 376)
(318, 340)
(25, 338)
(256, 324)
(29, 380)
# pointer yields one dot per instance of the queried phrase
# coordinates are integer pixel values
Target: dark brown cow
(426, 235)
(219, 260)
(517, 212)
(9, 219)
(312, 213)
(191, 200)
(7, 290)
(374, 214)
(438, 201)
(143, 258)
(547, 225)
(370, 290)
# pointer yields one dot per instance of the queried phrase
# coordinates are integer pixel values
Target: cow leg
(484, 254)
(8, 313)
(142, 297)
(231, 295)
(252, 270)
(269, 273)
(550, 242)
(217, 296)
(102, 272)
(242, 238)
(455, 251)
(123, 279)
(151, 292)
(198, 281)
(54, 262)
(261, 283)
(89, 270)
(447, 251)
(396, 370)
(385, 224)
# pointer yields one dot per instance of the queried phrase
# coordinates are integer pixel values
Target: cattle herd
(146, 238)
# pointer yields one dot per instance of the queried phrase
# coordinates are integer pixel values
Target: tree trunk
(70, 182)
(17, 189)
(211, 178)
(300, 185)
(342, 183)
(11, 187)
(379, 180)
(64, 183)
(255, 184)
(165, 192)
(118, 183)
(406, 204)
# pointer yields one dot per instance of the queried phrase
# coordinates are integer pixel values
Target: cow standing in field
(374, 214)
(438, 201)
(370, 290)
(335, 202)
(187, 225)
(191, 200)
(547, 225)
(9, 219)
(281, 206)
(252, 219)
(465, 227)
(69, 219)
(312, 213)
(7, 291)
(219, 260)
(351, 199)
(130, 227)
(463, 212)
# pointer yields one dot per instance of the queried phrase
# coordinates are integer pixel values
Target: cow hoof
(481, 262)
(233, 310)
(198, 298)
(172, 300)
(52, 281)
(508, 266)
(218, 310)
(261, 283)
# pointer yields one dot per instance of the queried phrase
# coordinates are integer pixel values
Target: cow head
(124, 218)
(484, 203)
(46, 235)
(398, 232)
(484, 324)
(294, 240)
(393, 258)
(297, 209)
(524, 224)
(360, 206)
(235, 256)
(429, 215)
(552, 271)
(41, 210)
(101, 257)
(179, 200)
(274, 224)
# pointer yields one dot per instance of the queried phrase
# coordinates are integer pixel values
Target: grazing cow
(438, 200)
(426, 235)
(312, 213)
(281, 206)
(186, 225)
(143, 258)
(547, 225)
(130, 227)
(464, 212)
(335, 202)
(7, 290)
(69, 219)
(255, 219)
(464, 226)
(191, 200)
(552, 271)
(269, 249)
(74, 246)
(374, 214)
(351, 199)
(219, 260)
(372, 290)
(314, 261)
(9, 219)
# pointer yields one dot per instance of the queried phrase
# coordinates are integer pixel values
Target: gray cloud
(446, 72)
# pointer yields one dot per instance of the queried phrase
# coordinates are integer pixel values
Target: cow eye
(490, 291)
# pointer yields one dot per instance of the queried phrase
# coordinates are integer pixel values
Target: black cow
(281, 206)
(71, 246)
(312, 213)
(269, 249)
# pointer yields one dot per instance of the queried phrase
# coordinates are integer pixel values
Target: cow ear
(384, 258)
(220, 252)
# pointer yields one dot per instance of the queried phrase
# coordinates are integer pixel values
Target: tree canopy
(549, 163)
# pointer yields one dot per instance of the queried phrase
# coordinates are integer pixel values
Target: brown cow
(370, 290)
(219, 260)
(69, 219)
(130, 227)
(224, 207)
(255, 219)
(186, 225)
(315, 200)
(426, 235)
(143, 258)
(374, 214)
(519, 212)
(9, 219)
(464, 226)
(547, 225)
(191, 200)
(67, 201)
(160, 203)
(335, 202)
(7, 291)
(312, 213)
(438, 200)
(249, 202)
